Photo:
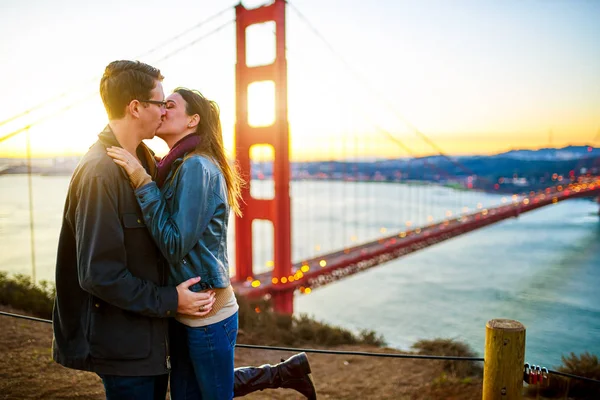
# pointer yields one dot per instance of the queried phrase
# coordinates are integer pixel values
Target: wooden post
(504, 360)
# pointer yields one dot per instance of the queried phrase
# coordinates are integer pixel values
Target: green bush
(450, 347)
(585, 365)
(258, 323)
(20, 292)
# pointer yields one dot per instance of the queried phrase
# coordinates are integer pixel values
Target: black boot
(293, 373)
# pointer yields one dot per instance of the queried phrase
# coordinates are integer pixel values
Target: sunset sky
(476, 77)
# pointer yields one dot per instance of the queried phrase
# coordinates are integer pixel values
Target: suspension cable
(82, 100)
(96, 78)
(379, 95)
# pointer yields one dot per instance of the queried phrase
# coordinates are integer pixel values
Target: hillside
(28, 372)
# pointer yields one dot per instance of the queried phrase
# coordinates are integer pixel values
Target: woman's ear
(194, 121)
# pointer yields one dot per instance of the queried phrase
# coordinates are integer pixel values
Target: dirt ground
(28, 372)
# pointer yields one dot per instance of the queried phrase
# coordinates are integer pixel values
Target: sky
(371, 79)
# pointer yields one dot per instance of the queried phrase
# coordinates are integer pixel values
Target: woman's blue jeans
(202, 360)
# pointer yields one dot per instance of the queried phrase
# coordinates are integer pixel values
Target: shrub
(585, 365)
(258, 323)
(450, 347)
(20, 292)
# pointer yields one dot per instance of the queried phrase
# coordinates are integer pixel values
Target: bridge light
(484, 212)
(559, 188)
(418, 230)
(283, 279)
(255, 284)
(402, 234)
(307, 290)
(291, 278)
(249, 279)
(257, 310)
(305, 268)
(526, 201)
(275, 281)
(322, 263)
(554, 200)
(270, 264)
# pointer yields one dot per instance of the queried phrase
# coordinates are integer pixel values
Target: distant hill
(549, 154)
(504, 171)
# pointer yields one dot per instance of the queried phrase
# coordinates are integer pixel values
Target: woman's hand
(124, 158)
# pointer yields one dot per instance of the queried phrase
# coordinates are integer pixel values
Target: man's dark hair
(123, 81)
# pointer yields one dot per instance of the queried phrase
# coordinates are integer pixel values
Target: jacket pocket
(117, 334)
(138, 244)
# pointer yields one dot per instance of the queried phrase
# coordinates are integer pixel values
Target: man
(112, 303)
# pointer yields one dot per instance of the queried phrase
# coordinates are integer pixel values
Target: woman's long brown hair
(211, 141)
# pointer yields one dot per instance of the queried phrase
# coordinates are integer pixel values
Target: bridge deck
(327, 268)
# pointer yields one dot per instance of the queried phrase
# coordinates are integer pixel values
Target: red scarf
(183, 146)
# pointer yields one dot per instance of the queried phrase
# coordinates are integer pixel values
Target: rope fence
(358, 353)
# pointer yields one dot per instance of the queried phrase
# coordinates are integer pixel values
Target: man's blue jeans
(135, 387)
(202, 360)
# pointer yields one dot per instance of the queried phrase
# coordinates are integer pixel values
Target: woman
(187, 210)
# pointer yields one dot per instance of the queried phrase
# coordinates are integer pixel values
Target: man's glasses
(160, 103)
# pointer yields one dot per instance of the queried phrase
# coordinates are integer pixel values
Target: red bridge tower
(277, 209)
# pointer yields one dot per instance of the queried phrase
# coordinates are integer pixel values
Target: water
(542, 269)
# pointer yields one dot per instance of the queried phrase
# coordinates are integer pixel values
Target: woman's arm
(177, 230)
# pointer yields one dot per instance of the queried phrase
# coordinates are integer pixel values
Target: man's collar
(107, 138)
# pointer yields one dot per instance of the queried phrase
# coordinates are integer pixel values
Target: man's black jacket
(111, 303)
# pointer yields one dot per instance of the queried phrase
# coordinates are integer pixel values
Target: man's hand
(192, 303)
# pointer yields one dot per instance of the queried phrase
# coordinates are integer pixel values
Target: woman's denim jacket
(188, 219)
